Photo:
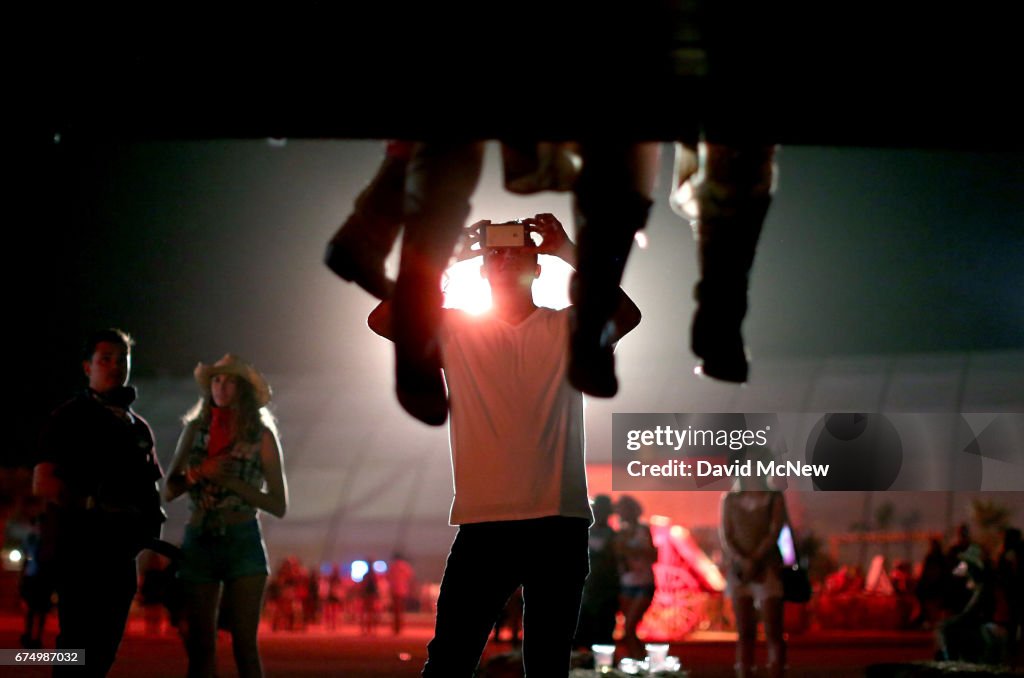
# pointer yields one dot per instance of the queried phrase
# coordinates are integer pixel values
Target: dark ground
(346, 653)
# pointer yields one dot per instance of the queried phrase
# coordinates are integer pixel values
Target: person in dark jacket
(98, 473)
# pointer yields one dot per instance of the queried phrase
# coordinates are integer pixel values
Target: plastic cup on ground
(604, 656)
(656, 654)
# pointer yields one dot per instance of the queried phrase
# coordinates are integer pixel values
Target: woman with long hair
(228, 460)
(753, 515)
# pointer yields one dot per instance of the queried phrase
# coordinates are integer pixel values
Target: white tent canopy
(365, 479)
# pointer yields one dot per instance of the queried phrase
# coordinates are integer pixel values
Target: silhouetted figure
(725, 174)
(333, 595)
(725, 189)
(400, 580)
(311, 602)
(369, 603)
(98, 473)
(752, 518)
(969, 635)
(516, 435)
(601, 592)
(285, 594)
(612, 199)
(929, 589)
(228, 461)
(440, 178)
(634, 547)
(35, 584)
(1009, 590)
(955, 587)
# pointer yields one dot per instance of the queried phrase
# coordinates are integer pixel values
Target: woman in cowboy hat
(228, 460)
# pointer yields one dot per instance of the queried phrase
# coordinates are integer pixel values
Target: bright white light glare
(358, 570)
(380, 567)
(641, 240)
(552, 288)
(14, 556)
(465, 289)
(277, 142)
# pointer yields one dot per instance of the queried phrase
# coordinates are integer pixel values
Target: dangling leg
(441, 178)
(733, 192)
(612, 203)
(358, 250)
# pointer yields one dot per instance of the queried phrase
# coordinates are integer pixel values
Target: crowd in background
(300, 598)
(972, 597)
(969, 595)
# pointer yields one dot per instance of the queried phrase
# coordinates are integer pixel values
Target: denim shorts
(210, 558)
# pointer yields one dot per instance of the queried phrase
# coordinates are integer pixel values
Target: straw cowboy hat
(235, 366)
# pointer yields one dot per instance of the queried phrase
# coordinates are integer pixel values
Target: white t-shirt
(516, 425)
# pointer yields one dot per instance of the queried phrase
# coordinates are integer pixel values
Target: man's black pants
(548, 557)
(95, 589)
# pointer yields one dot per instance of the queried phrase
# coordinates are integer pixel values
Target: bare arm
(727, 533)
(778, 519)
(556, 243)
(177, 482)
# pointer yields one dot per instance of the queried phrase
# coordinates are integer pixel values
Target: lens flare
(465, 289)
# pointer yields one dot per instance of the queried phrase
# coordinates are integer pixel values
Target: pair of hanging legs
(725, 189)
(426, 187)
(423, 188)
(730, 188)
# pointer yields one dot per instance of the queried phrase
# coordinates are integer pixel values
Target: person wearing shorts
(752, 518)
(228, 460)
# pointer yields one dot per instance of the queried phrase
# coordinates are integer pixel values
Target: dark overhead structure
(860, 74)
